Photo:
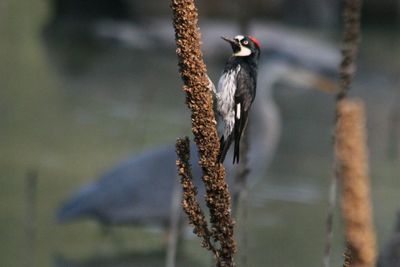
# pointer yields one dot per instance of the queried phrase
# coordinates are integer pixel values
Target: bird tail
(224, 147)
(236, 151)
(238, 131)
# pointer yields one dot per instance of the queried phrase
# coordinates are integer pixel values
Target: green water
(72, 111)
(70, 127)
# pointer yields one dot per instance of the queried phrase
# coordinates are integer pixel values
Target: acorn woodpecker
(236, 91)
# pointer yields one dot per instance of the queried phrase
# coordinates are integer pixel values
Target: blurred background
(86, 84)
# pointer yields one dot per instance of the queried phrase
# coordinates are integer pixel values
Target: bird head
(244, 46)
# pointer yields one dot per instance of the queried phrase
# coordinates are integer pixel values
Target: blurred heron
(139, 189)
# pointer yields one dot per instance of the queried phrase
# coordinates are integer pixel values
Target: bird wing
(226, 100)
(244, 97)
(245, 88)
(226, 91)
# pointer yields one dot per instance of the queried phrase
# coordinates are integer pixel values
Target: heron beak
(235, 45)
(313, 80)
(325, 84)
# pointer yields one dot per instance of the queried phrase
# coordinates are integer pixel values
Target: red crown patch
(254, 40)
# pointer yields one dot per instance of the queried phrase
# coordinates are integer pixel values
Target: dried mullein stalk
(199, 101)
(352, 168)
(189, 201)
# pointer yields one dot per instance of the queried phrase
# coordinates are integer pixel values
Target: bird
(144, 189)
(236, 92)
(120, 195)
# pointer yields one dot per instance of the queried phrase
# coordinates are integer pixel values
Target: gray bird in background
(140, 189)
(136, 191)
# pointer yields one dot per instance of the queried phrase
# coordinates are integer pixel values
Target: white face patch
(244, 51)
(239, 37)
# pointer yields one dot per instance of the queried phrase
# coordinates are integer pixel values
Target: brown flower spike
(352, 163)
(199, 100)
(350, 42)
(189, 201)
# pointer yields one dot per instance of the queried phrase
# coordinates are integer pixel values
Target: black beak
(231, 41)
(235, 45)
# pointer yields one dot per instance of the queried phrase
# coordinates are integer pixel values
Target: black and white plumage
(236, 91)
(119, 197)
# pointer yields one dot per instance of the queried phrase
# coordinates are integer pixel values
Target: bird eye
(245, 42)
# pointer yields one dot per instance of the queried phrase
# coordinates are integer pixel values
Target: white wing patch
(225, 99)
(238, 111)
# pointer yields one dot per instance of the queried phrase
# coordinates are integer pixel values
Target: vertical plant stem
(347, 257)
(30, 219)
(173, 234)
(329, 221)
(240, 198)
(199, 100)
(352, 169)
(350, 42)
(351, 150)
(189, 202)
(240, 177)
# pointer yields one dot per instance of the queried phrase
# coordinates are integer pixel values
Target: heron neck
(265, 122)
